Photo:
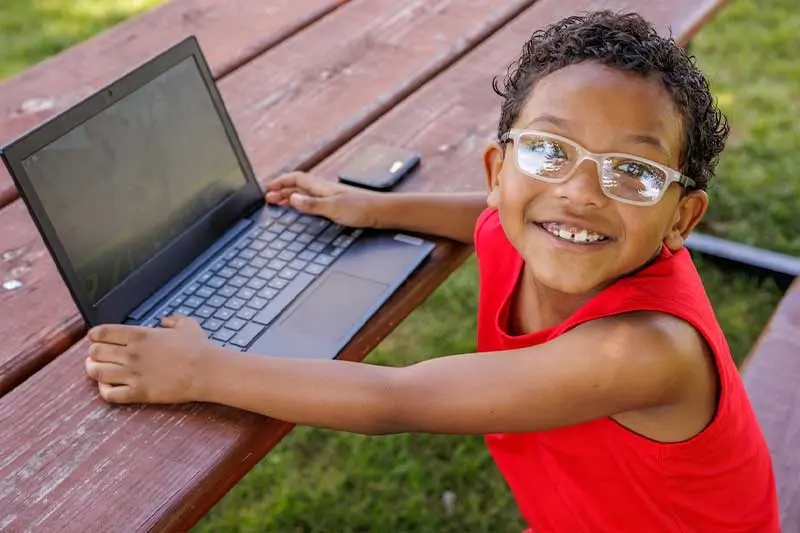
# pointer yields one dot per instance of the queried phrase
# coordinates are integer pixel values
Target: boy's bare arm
(450, 215)
(598, 369)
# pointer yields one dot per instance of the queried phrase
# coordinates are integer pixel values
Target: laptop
(148, 205)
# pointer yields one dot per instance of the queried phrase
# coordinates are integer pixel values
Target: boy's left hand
(148, 365)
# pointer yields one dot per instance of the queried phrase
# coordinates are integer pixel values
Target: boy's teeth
(573, 234)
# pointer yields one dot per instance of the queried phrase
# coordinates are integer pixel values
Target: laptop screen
(125, 183)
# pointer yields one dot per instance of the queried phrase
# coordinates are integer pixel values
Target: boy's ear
(492, 165)
(690, 211)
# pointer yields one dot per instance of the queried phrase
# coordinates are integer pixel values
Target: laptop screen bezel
(115, 306)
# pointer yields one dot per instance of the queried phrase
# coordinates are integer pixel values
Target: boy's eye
(648, 180)
(542, 156)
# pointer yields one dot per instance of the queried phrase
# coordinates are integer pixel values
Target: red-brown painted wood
(230, 33)
(73, 460)
(772, 378)
(292, 106)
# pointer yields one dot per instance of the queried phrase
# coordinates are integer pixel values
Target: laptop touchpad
(336, 308)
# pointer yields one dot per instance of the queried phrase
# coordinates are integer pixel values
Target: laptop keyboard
(258, 276)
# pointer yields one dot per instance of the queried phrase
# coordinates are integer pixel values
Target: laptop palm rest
(321, 322)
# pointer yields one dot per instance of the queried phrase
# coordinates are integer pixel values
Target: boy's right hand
(343, 204)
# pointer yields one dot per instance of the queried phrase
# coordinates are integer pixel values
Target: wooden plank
(231, 33)
(82, 460)
(771, 376)
(292, 106)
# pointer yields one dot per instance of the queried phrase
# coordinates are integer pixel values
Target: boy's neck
(537, 307)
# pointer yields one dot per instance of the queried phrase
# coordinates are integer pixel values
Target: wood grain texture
(292, 106)
(74, 463)
(771, 376)
(230, 33)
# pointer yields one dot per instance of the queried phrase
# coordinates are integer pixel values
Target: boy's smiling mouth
(572, 233)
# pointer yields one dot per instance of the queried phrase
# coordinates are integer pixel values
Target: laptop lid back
(132, 184)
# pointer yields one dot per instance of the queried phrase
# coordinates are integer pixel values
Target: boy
(603, 382)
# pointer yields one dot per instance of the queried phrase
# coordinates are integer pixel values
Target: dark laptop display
(122, 185)
(146, 201)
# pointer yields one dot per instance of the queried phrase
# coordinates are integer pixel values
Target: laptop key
(246, 335)
(216, 282)
(288, 273)
(317, 226)
(227, 291)
(248, 271)
(305, 238)
(183, 311)
(204, 312)
(238, 281)
(223, 335)
(204, 292)
(298, 264)
(286, 255)
(258, 262)
(247, 254)
(296, 246)
(277, 264)
(257, 245)
(316, 246)
(205, 276)
(257, 303)
(324, 259)
(191, 289)
(224, 314)
(256, 284)
(268, 236)
(284, 298)
(315, 269)
(178, 300)
(235, 324)
(246, 313)
(237, 263)
(193, 302)
(278, 283)
(245, 293)
(212, 324)
(235, 304)
(268, 292)
(226, 272)
(307, 255)
(268, 253)
(216, 301)
(267, 274)
(289, 217)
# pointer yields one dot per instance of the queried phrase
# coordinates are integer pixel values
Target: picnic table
(307, 83)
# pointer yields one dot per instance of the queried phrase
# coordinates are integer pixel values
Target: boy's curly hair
(627, 42)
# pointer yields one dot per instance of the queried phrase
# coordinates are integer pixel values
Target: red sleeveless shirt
(599, 476)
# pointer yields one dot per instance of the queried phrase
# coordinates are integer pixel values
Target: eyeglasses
(626, 178)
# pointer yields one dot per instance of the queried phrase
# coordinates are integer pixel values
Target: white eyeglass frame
(673, 176)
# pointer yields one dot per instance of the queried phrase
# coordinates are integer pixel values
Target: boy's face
(606, 111)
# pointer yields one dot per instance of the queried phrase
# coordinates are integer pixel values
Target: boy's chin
(572, 280)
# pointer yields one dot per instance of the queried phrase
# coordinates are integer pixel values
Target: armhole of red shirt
(479, 224)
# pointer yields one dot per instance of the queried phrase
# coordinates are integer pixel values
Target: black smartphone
(379, 167)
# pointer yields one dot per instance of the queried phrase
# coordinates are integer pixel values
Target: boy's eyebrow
(637, 138)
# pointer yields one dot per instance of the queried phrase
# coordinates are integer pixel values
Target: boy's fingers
(109, 373)
(116, 393)
(178, 321)
(284, 181)
(310, 204)
(114, 334)
(108, 353)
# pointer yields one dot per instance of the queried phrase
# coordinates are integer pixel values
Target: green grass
(325, 481)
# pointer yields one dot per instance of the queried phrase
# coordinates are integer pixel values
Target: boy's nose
(583, 189)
